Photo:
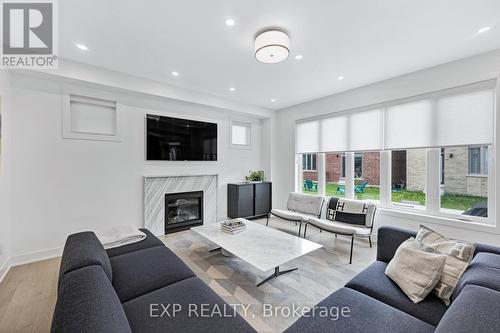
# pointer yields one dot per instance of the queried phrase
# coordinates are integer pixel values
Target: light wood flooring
(28, 292)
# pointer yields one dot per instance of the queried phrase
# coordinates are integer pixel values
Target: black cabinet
(249, 200)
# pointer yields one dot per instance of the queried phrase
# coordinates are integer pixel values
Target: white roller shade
(308, 137)
(440, 121)
(358, 131)
(454, 117)
(408, 125)
(366, 130)
(334, 134)
(466, 119)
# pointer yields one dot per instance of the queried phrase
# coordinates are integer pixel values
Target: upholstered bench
(351, 218)
(299, 208)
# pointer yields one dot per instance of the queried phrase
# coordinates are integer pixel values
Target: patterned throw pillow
(458, 257)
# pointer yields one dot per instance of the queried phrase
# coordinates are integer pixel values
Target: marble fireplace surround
(155, 188)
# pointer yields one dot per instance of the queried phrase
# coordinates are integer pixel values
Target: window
(335, 174)
(408, 178)
(465, 187)
(309, 162)
(240, 134)
(309, 174)
(90, 118)
(367, 176)
(478, 160)
(436, 158)
(358, 165)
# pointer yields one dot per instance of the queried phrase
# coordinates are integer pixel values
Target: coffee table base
(277, 273)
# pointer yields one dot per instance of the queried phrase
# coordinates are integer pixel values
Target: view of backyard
(448, 201)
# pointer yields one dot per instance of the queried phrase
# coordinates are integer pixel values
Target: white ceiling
(363, 40)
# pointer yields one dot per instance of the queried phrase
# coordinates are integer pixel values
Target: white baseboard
(4, 270)
(28, 258)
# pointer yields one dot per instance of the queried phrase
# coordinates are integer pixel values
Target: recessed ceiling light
(230, 22)
(483, 29)
(175, 73)
(340, 78)
(273, 100)
(82, 47)
(299, 56)
(232, 89)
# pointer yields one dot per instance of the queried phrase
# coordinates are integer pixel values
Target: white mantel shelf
(177, 176)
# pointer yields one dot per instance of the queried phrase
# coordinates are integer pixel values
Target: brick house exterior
(333, 168)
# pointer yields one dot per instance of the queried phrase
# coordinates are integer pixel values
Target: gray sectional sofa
(376, 304)
(133, 288)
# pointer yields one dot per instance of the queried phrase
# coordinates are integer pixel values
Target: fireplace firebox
(183, 210)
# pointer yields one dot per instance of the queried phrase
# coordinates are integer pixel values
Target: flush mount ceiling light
(272, 46)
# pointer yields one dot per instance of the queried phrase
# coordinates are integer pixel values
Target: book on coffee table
(233, 226)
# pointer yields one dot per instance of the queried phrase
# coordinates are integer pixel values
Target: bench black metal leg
(300, 228)
(352, 244)
(305, 230)
(267, 222)
(370, 239)
(277, 273)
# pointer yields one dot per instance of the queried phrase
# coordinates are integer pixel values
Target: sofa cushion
(88, 303)
(475, 310)
(137, 273)
(479, 274)
(83, 249)
(146, 313)
(373, 282)
(340, 227)
(150, 241)
(290, 215)
(487, 259)
(305, 203)
(365, 315)
(389, 239)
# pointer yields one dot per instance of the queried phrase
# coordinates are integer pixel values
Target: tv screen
(175, 139)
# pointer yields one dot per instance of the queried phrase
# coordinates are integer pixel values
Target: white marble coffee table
(263, 247)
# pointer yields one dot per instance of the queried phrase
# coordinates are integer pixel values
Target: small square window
(240, 134)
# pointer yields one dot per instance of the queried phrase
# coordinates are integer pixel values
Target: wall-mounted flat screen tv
(175, 139)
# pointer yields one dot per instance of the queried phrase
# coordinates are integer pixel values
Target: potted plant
(256, 176)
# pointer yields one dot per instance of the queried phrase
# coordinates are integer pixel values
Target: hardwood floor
(28, 292)
(28, 296)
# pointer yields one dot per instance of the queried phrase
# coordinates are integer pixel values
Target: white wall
(63, 186)
(5, 218)
(448, 75)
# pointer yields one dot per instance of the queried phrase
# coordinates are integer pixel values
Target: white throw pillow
(416, 269)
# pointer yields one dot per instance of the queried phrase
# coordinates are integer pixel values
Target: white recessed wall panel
(409, 125)
(465, 119)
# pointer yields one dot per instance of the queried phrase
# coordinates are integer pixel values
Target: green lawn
(448, 201)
